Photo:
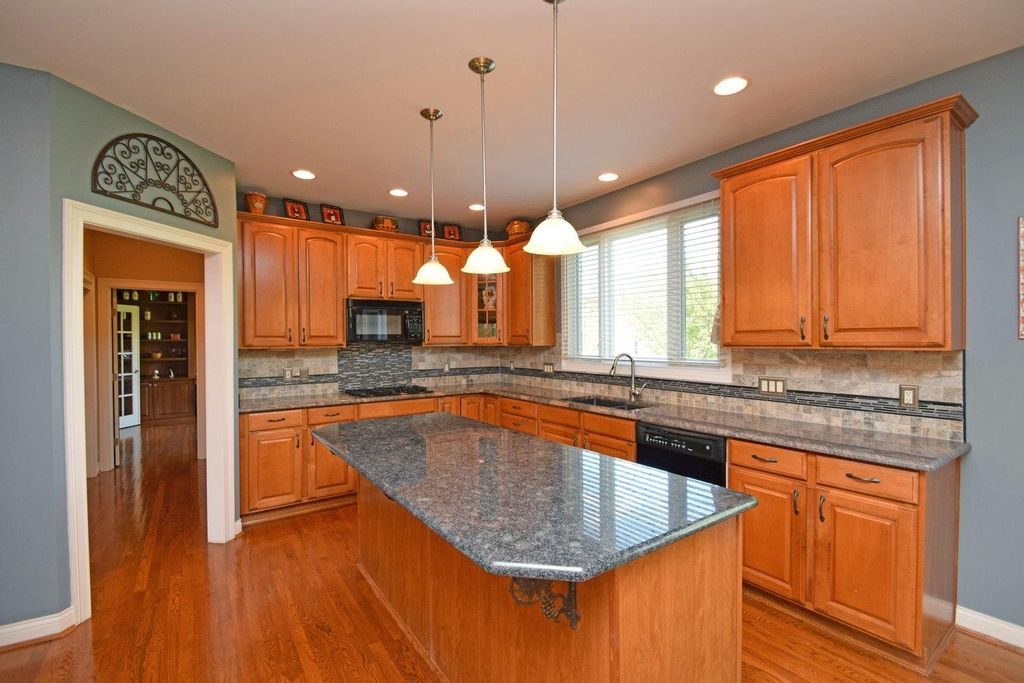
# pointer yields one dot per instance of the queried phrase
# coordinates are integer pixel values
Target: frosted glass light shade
(432, 273)
(484, 260)
(554, 237)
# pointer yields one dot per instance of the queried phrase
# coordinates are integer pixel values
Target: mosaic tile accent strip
(365, 365)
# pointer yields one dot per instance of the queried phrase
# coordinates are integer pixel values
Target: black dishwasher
(699, 456)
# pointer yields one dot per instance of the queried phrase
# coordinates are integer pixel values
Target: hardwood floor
(285, 600)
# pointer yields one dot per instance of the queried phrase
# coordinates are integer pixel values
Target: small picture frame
(293, 208)
(451, 231)
(332, 214)
(424, 226)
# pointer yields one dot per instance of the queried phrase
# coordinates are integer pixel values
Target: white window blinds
(649, 288)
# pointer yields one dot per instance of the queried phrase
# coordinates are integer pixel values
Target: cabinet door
(274, 462)
(774, 532)
(326, 473)
(516, 423)
(865, 563)
(472, 407)
(607, 445)
(766, 256)
(367, 266)
(492, 415)
(519, 299)
(146, 402)
(551, 431)
(444, 308)
(270, 314)
(321, 288)
(173, 399)
(487, 306)
(448, 404)
(404, 261)
(882, 281)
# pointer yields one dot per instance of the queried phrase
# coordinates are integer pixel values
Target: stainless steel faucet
(634, 393)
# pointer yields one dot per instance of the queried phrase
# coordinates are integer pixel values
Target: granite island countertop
(896, 450)
(518, 505)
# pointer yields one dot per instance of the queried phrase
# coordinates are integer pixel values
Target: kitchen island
(510, 558)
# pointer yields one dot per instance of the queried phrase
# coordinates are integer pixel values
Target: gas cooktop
(400, 390)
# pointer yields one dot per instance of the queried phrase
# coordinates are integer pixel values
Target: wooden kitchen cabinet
(445, 311)
(292, 286)
(530, 287)
(321, 266)
(551, 431)
(168, 400)
(608, 435)
(865, 563)
(270, 315)
(883, 278)
(412, 406)
(327, 474)
(859, 234)
(767, 256)
(472, 407)
(383, 268)
(492, 412)
(774, 532)
(449, 404)
(609, 445)
(487, 303)
(404, 260)
(274, 468)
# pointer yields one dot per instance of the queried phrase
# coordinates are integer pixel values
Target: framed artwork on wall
(332, 214)
(424, 226)
(451, 231)
(293, 208)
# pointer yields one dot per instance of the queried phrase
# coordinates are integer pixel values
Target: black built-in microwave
(385, 321)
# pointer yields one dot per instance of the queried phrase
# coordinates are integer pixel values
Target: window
(649, 287)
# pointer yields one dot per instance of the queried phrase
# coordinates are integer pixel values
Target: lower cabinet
(871, 546)
(449, 404)
(492, 413)
(327, 475)
(551, 431)
(168, 400)
(774, 532)
(274, 468)
(471, 407)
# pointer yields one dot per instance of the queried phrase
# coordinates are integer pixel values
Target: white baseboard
(968, 619)
(40, 627)
(237, 527)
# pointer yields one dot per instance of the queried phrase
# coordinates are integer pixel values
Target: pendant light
(432, 272)
(485, 259)
(554, 236)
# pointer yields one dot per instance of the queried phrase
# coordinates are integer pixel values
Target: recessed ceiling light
(303, 174)
(608, 177)
(398, 192)
(730, 85)
(476, 207)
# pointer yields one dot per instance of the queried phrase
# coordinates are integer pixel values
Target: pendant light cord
(483, 149)
(433, 252)
(554, 107)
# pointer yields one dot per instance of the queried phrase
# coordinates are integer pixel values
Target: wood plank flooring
(285, 601)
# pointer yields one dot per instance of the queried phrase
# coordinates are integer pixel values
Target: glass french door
(129, 412)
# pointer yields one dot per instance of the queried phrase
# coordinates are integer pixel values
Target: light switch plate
(909, 395)
(772, 386)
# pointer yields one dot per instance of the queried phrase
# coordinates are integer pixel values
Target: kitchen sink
(607, 402)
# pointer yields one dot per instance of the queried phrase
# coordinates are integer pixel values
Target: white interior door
(129, 412)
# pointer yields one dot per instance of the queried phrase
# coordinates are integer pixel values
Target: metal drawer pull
(824, 328)
(289, 335)
(298, 444)
(821, 508)
(772, 461)
(866, 480)
(277, 419)
(796, 502)
(331, 414)
(803, 320)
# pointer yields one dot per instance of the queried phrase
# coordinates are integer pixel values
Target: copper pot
(516, 228)
(256, 202)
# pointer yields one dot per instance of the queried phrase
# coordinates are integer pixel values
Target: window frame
(719, 373)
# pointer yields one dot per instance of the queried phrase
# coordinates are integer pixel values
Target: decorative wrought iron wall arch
(146, 170)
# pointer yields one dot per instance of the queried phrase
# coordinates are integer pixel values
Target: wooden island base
(672, 615)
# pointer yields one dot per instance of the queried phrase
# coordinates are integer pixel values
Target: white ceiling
(336, 85)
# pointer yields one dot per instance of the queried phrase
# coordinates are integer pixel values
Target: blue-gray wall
(50, 134)
(992, 501)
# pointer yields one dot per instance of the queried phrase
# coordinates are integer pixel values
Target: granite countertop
(521, 506)
(895, 450)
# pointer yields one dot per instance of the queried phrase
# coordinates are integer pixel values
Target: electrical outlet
(511, 365)
(304, 374)
(773, 386)
(447, 366)
(909, 394)
(288, 375)
(549, 367)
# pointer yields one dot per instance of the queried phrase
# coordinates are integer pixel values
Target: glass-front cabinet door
(489, 309)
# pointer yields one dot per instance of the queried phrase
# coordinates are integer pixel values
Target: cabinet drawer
(608, 445)
(393, 408)
(516, 407)
(614, 427)
(329, 415)
(275, 420)
(560, 416)
(768, 458)
(874, 480)
(519, 424)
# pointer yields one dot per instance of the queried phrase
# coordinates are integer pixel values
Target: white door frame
(219, 359)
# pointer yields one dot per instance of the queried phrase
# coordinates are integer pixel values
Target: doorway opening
(212, 296)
